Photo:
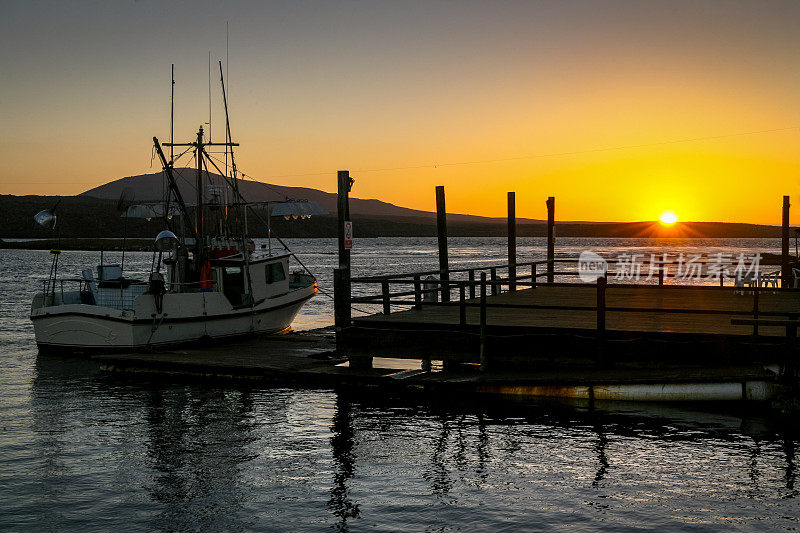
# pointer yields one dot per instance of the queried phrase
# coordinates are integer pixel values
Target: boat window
(233, 284)
(275, 272)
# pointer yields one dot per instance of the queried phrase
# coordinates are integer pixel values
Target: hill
(149, 187)
(89, 217)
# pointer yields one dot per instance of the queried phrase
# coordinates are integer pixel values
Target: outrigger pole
(173, 184)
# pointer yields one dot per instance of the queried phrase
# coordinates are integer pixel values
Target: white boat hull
(183, 318)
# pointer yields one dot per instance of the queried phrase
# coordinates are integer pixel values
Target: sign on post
(348, 234)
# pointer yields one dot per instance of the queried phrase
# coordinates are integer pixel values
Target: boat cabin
(268, 277)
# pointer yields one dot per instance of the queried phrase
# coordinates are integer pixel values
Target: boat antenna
(227, 66)
(172, 117)
(209, 96)
(228, 139)
(125, 200)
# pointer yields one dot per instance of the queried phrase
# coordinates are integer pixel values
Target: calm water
(80, 450)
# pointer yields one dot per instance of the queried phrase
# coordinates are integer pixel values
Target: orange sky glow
(622, 110)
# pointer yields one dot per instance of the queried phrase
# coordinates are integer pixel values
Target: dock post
(789, 363)
(755, 310)
(343, 211)
(471, 284)
(661, 275)
(462, 309)
(493, 270)
(341, 275)
(786, 271)
(441, 233)
(533, 275)
(426, 363)
(341, 300)
(512, 242)
(387, 307)
(601, 303)
(483, 323)
(600, 346)
(342, 295)
(551, 237)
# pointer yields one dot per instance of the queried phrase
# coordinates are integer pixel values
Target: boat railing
(63, 291)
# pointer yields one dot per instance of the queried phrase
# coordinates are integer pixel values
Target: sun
(668, 218)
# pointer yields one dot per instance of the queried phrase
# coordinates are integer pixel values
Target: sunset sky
(621, 109)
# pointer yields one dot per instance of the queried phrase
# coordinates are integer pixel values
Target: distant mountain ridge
(149, 187)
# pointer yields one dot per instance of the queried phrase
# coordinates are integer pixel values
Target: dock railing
(468, 283)
(473, 287)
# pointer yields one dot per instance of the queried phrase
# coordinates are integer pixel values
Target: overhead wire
(496, 160)
(543, 155)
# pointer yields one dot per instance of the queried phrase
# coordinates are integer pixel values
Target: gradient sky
(581, 100)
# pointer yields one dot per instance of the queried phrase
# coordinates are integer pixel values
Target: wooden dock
(307, 359)
(676, 309)
(574, 323)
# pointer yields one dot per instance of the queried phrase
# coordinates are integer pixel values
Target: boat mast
(200, 244)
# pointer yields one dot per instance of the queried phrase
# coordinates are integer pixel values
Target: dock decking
(305, 358)
(707, 310)
(563, 322)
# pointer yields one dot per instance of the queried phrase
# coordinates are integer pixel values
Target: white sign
(348, 234)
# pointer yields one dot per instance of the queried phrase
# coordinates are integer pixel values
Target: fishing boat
(207, 280)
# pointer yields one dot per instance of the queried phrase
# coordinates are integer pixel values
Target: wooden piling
(387, 309)
(483, 324)
(341, 299)
(472, 284)
(551, 237)
(789, 365)
(786, 271)
(495, 287)
(426, 362)
(341, 276)
(462, 309)
(441, 233)
(512, 243)
(342, 314)
(343, 210)
(755, 310)
(601, 304)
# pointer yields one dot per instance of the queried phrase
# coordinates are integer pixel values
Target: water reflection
(789, 475)
(438, 475)
(196, 446)
(600, 449)
(342, 448)
(186, 456)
